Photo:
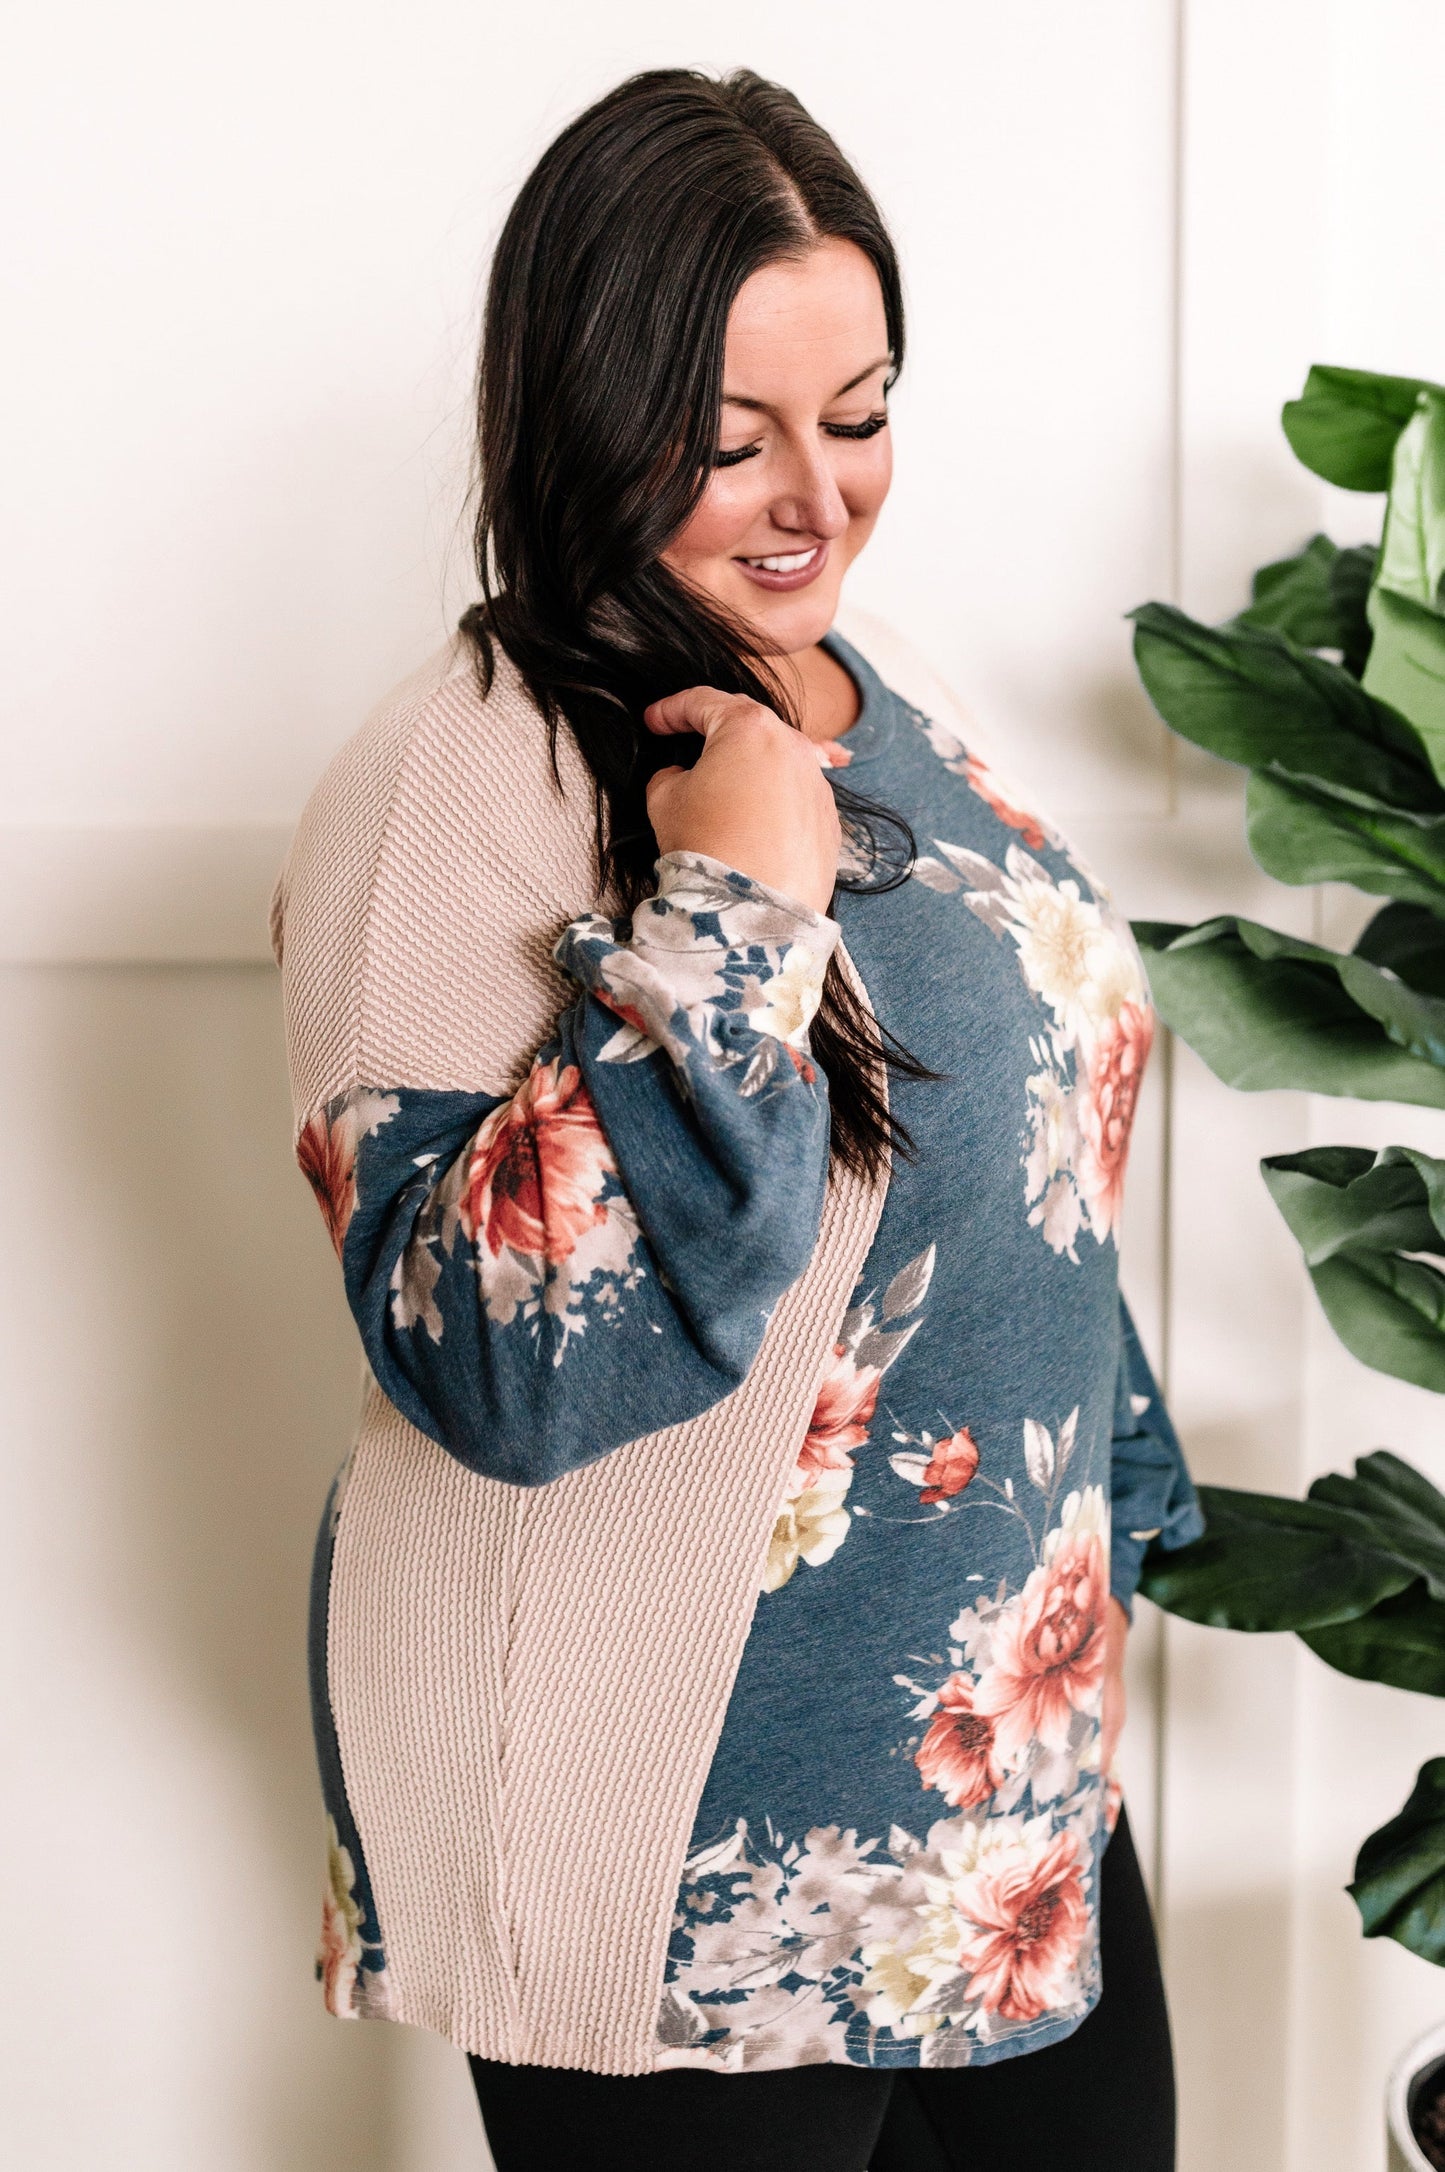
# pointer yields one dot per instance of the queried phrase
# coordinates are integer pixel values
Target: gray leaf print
(909, 1287)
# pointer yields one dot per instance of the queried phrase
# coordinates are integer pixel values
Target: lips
(786, 569)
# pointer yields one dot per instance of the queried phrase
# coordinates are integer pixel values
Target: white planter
(1423, 2058)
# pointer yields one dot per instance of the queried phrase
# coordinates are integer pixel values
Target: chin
(786, 624)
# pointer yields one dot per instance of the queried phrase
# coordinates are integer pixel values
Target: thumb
(659, 787)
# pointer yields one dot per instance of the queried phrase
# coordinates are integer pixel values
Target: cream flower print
(812, 1522)
(786, 1005)
(351, 1985)
(338, 1956)
(1002, 1933)
(709, 943)
(1051, 1154)
(1060, 939)
(787, 1951)
(809, 1528)
(1077, 955)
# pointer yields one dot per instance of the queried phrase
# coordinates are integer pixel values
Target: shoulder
(964, 748)
(439, 770)
(431, 870)
(904, 668)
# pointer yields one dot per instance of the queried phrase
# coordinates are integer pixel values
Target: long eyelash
(870, 428)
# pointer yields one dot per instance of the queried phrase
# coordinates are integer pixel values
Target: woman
(718, 1087)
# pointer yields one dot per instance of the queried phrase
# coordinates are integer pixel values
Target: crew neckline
(877, 718)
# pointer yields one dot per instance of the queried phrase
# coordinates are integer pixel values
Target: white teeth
(790, 564)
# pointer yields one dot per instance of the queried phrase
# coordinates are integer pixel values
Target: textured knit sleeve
(1153, 1496)
(540, 1278)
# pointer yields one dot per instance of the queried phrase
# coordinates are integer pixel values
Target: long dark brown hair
(599, 398)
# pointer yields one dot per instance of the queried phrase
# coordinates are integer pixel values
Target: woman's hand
(1116, 1635)
(756, 797)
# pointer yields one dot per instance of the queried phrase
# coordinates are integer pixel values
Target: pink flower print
(1047, 1657)
(957, 1754)
(1106, 1111)
(1031, 1920)
(978, 774)
(841, 1417)
(950, 1467)
(537, 1169)
(831, 755)
(326, 1153)
(1113, 1800)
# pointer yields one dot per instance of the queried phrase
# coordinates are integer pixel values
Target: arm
(1152, 1496)
(541, 1278)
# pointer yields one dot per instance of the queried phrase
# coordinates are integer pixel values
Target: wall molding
(198, 894)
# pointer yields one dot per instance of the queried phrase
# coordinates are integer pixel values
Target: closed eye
(870, 428)
(735, 454)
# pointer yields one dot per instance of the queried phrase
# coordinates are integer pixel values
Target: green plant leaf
(1300, 835)
(1400, 1642)
(1399, 1881)
(1409, 940)
(1250, 696)
(1293, 595)
(1267, 1010)
(1344, 424)
(1402, 1508)
(1412, 549)
(1266, 1563)
(1407, 665)
(1339, 1198)
(1407, 658)
(1357, 1218)
(1317, 598)
(1389, 1313)
(1350, 576)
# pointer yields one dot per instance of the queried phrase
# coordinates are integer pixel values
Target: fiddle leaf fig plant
(1329, 688)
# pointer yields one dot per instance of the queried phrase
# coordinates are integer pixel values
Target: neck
(826, 696)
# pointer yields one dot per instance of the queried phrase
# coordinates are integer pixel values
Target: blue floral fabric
(894, 1860)
(542, 1277)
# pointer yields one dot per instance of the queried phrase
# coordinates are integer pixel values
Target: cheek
(721, 519)
(866, 486)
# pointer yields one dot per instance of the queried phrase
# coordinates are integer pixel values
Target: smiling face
(804, 458)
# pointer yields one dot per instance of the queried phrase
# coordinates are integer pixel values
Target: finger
(661, 779)
(697, 709)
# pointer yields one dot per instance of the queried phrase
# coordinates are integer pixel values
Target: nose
(810, 502)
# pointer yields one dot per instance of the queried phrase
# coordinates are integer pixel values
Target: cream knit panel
(322, 907)
(484, 860)
(528, 1684)
(637, 1585)
(417, 1634)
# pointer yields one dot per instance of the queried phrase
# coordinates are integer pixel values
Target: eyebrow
(736, 399)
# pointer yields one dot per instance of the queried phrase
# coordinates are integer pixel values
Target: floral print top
(894, 1860)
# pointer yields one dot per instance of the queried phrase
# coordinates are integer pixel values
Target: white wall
(237, 365)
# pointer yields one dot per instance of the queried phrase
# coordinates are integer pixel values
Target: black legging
(1100, 2101)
